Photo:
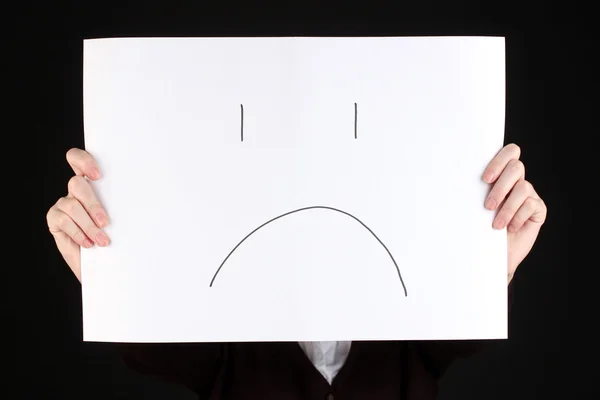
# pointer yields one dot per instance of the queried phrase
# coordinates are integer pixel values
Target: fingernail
(488, 176)
(94, 173)
(102, 220)
(87, 243)
(499, 223)
(490, 203)
(102, 239)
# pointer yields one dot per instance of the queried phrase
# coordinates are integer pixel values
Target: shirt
(327, 357)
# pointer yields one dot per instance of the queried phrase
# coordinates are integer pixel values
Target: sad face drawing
(307, 209)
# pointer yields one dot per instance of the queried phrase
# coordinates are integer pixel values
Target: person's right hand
(76, 219)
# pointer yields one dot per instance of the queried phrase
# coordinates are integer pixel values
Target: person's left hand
(520, 209)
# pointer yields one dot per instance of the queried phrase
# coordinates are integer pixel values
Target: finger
(520, 192)
(59, 222)
(533, 209)
(81, 218)
(514, 171)
(500, 161)
(83, 163)
(81, 189)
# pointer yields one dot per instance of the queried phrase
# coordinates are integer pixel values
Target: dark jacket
(385, 370)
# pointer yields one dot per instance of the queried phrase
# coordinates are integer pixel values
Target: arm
(193, 365)
(77, 220)
(522, 212)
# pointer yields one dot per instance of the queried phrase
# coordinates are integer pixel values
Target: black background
(547, 53)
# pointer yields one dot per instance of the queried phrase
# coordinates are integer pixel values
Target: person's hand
(520, 210)
(76, 219)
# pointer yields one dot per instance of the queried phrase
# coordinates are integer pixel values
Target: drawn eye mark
(242, 122)
(355, 121)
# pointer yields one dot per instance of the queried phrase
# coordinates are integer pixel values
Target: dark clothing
(383, 370)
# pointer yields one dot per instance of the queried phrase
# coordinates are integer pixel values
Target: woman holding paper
(330, 370)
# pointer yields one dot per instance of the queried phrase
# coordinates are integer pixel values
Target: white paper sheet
(372, 149)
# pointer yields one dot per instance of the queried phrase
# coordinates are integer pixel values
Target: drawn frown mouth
(306, 209)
